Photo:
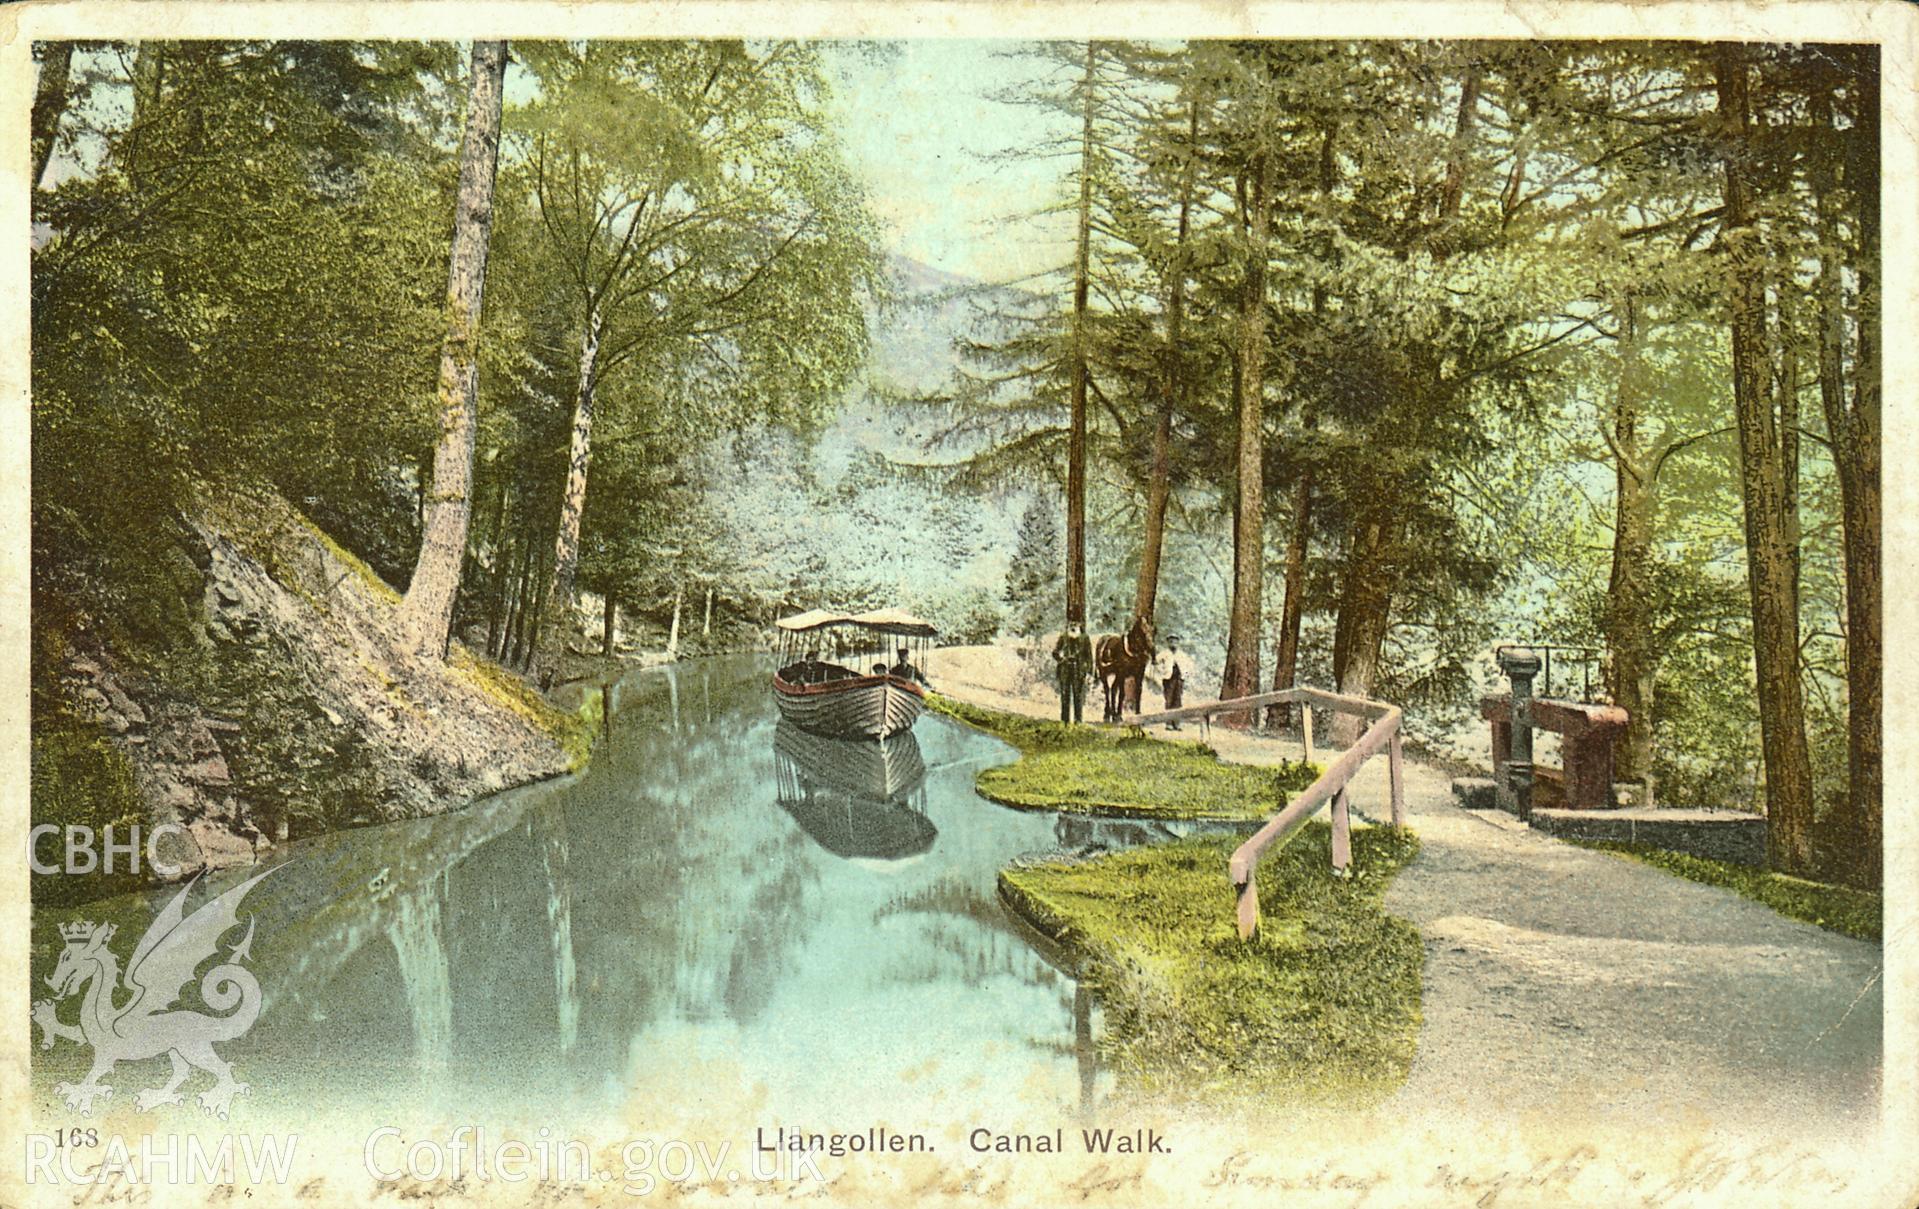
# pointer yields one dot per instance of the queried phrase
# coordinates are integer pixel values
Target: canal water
(722, 921)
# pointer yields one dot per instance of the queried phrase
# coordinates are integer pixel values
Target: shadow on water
(721, 916)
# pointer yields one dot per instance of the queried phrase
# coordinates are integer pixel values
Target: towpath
(1576, 990)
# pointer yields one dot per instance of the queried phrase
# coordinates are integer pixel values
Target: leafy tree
(708, 233)
(240, 243)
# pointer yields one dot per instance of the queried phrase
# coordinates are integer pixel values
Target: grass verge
(1321, 1007)
(1841, 909)
(1088, 770)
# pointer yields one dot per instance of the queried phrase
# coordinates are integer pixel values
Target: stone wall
(1721, 835)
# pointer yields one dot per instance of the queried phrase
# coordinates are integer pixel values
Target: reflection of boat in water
(880, 771)
(858, 800)
(871, 699)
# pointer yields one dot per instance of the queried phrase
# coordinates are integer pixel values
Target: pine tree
(1768, 478)
(1033, 578)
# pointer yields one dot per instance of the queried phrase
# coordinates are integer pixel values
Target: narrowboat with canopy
(852, 675)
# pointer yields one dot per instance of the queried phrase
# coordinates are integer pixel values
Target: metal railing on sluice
(1382, 732)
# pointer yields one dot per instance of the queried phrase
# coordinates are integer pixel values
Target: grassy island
(1320, 1007)
(1092, 770)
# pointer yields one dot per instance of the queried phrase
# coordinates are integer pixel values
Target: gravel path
(1571, 985)
(1589, 995)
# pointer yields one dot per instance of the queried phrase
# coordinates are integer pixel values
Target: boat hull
(858, 707)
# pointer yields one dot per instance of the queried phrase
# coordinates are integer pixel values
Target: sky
(920, 124)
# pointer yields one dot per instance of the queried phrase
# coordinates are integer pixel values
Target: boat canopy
(885, 621)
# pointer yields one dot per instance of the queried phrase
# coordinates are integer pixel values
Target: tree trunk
(531, 590)
(1864, 661)
(1076, 438)
(1854, 431)
(503, 603)
(516, 605)
(500, 550)
(427, 610)
(1454, 186)
(558, 619)
(533, 623)
(706, 626)
(515, 617)
(673, 632)
(1241, 677)
(1292, 607)
(1628, 620)
(1764, 488)
(1365, 605)
(609, 621)
(1159, 488)
(1292, 610)
(512, 647)
(509, 609)
(1786, 396)
(149, 70)
(49, 102)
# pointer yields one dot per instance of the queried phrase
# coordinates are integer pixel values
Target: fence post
(1342, 833)
(1248, 907)
(1306, 727)
(1396, 775)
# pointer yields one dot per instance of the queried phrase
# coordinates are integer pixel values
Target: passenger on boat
(905, 670)
(879, 669)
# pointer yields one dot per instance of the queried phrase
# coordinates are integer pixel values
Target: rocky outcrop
(296, 712)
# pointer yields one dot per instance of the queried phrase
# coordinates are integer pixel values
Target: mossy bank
(1121, 773)
(271, 700)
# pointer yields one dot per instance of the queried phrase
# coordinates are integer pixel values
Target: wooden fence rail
(1382, 733)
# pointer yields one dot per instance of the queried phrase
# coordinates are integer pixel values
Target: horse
(1120, 663)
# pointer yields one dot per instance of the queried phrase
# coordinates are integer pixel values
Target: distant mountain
(910, 353)
(913, 334)
(911, 276)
